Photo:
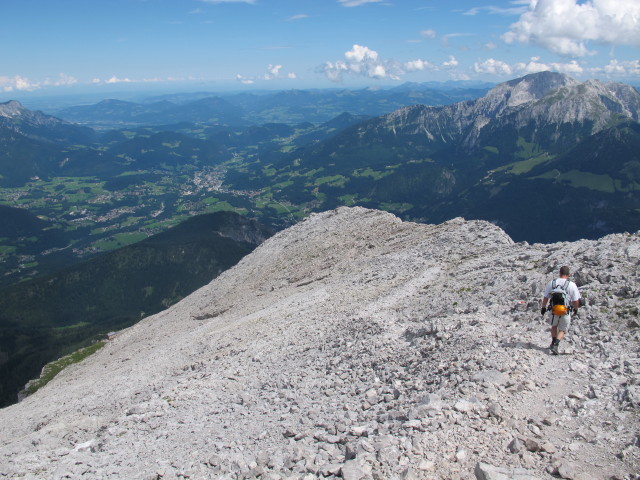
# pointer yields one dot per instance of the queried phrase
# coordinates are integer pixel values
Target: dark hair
(564, 271)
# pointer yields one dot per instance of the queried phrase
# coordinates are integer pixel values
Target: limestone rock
(357, 345)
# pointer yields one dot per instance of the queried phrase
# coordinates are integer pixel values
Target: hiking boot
(554, 348)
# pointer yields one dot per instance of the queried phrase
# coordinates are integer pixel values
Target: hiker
(562, 295)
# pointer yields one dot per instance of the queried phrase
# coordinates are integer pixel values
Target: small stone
(495, 410)
(531, 445)
(484, 471)
(409, 474)
(427, 465)
(84, 447)
(463, 406)
(577, 396)
(548, 447)
(461, 455)
(566, 470)
(359, 431)
(351, 470)
(515, 445)
(330, 469)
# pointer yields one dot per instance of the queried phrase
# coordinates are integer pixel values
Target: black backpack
(559, 299)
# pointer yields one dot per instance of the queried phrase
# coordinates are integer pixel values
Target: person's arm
(543, 310)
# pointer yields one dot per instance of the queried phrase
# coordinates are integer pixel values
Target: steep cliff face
(359, 346)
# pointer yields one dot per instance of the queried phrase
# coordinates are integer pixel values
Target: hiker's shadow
(526, 345)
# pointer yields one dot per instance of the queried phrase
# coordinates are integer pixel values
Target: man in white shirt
(561, 321)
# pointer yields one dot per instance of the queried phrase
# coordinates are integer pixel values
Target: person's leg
(562, 326)
(554, 330)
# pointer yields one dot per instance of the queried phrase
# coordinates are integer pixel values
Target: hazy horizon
(79, 47)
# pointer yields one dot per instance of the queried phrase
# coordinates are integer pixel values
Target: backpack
(559, 299)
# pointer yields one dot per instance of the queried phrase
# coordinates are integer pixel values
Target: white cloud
(361, 60)
(493, 67)
(490, 46)
(452, 62)
(356, 3)
(566, 26)
(115, 79)
(499, 10)
(619, 68)
(364, 62)
(534, 65)
(9, 84)
(300, 16)
(20, 83)
(429, 33)
(419, 65)
(243, 80)
(273, 72)
(63, 79)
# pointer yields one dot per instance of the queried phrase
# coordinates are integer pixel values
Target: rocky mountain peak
(533, 101)
(11, 109)
(357, 346)
(525, 90)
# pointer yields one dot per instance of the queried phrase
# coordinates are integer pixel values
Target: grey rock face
(540, 99)
(355, 345)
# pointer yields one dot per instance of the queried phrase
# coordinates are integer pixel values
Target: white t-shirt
(572, 290)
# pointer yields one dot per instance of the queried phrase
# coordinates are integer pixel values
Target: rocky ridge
(357, 346)
(542, 99)
(14, 117)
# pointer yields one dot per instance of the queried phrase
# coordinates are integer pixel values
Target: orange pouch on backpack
(559, 310)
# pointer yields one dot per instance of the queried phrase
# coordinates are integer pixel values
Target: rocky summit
(354, 345)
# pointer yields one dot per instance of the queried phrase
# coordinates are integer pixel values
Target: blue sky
(64, 46)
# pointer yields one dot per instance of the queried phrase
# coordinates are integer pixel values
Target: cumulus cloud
(365, 62)
(619, 68)
(566, 26)
(115, 79)
(61, 80)
(244, 80)
(20, 83)
(9, 84)
(492, 66)
(361, 60)
(534, 66)
(452, 62)
(356, 3)
(419, 65)
(273, 72)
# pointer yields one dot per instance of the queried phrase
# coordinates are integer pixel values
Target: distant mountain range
(292, 106)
